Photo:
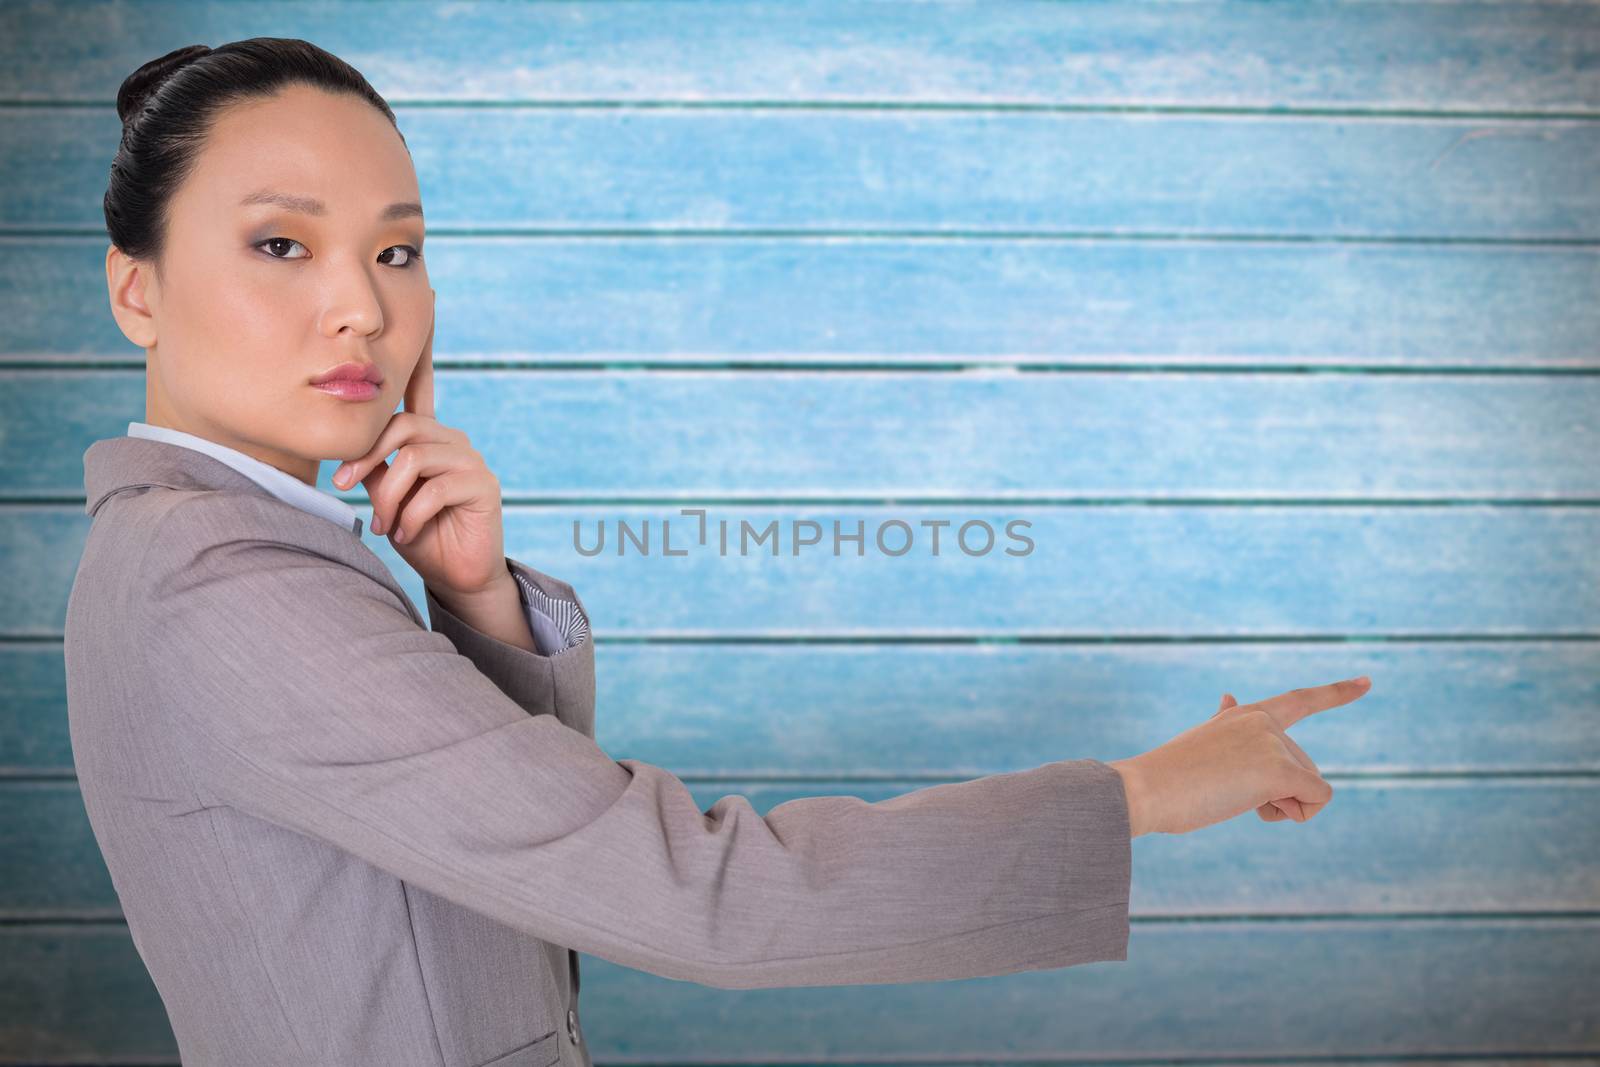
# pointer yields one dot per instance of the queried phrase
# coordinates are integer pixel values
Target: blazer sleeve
(507, 665)
(308, 696)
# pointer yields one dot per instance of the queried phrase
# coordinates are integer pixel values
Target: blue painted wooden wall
(1279, 322)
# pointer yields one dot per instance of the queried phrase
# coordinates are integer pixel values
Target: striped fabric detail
(566, 615)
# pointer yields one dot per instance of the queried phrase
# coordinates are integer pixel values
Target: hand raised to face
(437, 499)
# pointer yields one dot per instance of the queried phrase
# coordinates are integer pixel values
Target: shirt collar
(285, 487)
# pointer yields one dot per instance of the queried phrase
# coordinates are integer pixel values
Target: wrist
(1134, 789)
(496, 610)
(478, 601)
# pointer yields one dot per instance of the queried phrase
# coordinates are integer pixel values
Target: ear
(126, 280)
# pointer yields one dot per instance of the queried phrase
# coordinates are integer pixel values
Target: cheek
(229, 357)
(221, 301)
(248, 304)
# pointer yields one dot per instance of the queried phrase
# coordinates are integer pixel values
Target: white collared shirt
(556, 623)
(286, 487)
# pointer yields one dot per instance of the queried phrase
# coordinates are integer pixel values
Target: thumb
(1227, 702)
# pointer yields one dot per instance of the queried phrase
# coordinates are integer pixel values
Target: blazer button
(572, 1027)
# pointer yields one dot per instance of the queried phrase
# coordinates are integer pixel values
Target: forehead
(336, 148)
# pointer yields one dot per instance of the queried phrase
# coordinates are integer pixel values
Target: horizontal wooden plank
(1498, 56)
(866, 710)
(1074, 572)
(939, 172)
(902, 435)
(942, 300)
(1382, 988)
(79, 995)
(1384, 846)
(1418, 989)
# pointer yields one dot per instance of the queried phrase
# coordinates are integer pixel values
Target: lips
(350, 372)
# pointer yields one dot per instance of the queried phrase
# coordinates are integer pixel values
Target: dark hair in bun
(167, 108)
(140, 84)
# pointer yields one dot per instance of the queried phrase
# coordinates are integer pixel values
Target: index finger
(1289, 708)
(419, 390)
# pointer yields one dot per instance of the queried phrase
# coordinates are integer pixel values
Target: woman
(341, 835)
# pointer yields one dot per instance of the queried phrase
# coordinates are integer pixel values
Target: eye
(276, 240)
(411, 253)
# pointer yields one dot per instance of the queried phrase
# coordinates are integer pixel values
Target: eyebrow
(307, 205)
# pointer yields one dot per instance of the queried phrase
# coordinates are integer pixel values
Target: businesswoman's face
(290, 250)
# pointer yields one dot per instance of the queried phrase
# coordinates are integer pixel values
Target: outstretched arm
(317, 703)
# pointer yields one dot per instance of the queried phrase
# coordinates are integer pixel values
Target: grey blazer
(343, 836)
(554, 624)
